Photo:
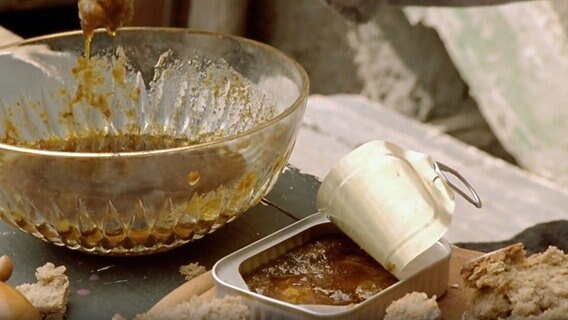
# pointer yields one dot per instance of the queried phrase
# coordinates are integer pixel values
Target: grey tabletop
(132, 285)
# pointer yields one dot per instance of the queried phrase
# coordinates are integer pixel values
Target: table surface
(132, 285)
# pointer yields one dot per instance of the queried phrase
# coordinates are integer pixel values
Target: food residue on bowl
(332, 270)
(89, 178)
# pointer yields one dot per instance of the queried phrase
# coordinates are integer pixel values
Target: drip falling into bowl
(110, 14)
(163, 136)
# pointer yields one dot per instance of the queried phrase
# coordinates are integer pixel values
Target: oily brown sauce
(99, 143)
(331, 271)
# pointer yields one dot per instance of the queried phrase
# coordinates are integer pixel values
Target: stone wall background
(314, 35)
(403, 66)
(515, 59)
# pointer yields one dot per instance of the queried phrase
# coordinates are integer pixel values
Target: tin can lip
(226, 272)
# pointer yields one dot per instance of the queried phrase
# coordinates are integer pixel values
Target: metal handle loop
(440, 168)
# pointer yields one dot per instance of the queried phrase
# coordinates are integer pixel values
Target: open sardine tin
(392, 202)
(431, 272)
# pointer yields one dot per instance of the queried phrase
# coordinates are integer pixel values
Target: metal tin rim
(287, 233)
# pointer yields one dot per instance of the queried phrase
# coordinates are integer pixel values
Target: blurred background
(492, 77)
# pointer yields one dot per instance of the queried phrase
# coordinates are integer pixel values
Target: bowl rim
(294, 106)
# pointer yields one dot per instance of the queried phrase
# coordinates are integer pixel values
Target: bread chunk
(200, 308)
(508, 285)
(192, 270)
(49, 295)
(414, 306)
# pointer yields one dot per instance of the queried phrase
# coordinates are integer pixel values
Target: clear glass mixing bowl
(163, 136)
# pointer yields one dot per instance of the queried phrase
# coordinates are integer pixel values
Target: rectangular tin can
(430, 275)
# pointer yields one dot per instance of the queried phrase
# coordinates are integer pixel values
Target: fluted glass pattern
(163, 136)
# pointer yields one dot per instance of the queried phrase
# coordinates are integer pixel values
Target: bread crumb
(49, 295)
(191, 270)
(200, 308)
(414, 306)
(455, 286)
(508, 285)
(118, 316)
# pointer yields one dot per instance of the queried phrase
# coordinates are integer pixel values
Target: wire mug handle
(474, 199)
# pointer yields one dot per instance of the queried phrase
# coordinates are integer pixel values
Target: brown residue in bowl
(90, 76)
(193, 178)
(11, 134)
(129, 203)
(114, 203)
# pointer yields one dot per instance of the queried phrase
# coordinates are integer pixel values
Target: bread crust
(50, 293)
(414, 306)
(491, 263)
(509, 285)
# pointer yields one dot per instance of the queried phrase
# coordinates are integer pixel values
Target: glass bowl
(163, 136)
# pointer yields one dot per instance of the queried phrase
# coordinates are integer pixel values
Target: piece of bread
(118, 316)
(192, 270)
(50, 293)
(414, 306)
(508, 285)
(202, 308)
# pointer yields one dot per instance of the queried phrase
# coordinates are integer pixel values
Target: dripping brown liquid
(110, 14)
